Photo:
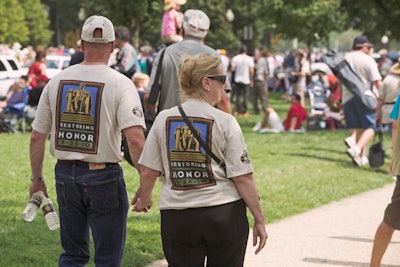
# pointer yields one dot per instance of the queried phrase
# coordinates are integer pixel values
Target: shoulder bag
(376, 153)
(221, 164)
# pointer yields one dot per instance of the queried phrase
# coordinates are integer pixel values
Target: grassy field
(294, 173)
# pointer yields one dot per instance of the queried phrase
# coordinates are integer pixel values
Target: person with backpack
(357, 116)
(195, 26)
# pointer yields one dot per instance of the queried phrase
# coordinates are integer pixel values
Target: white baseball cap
(195, 23)
(98, 22)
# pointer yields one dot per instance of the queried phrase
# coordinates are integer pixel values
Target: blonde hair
(192, 69)
(139, 76)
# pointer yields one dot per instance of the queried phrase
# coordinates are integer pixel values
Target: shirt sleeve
(43, 119)
(237, 158)
(394, 115)
(152, 154)
(130, 111)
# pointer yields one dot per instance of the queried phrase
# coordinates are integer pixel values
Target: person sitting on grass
(294, 118)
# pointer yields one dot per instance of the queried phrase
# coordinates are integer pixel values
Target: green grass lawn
(294, 173)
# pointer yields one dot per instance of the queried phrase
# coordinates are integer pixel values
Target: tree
(374, 17)
(36, 19)
(64, 18)
(13, 26)
(221, 33)
(256, 22)
(310, 21)
(143, 18)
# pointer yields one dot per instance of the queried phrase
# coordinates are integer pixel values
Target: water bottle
(33, 206)
(50, 215)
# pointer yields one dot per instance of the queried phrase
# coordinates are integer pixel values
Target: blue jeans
(93, 200)
(357, 116)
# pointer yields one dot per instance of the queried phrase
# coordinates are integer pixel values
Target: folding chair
(15, 114)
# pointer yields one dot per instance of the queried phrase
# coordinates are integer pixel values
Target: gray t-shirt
(170, 92)
(366, 68)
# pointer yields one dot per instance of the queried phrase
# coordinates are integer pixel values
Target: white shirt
(85, 108)
(191, 178)
(242, 64)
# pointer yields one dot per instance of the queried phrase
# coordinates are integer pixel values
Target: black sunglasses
(220, 78)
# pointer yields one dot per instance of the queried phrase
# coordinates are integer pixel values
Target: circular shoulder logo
(137, 111)
(245, 157)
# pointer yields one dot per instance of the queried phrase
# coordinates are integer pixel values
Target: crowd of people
(203, 161)
(86, 109)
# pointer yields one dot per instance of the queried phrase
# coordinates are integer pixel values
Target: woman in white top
(203, 205)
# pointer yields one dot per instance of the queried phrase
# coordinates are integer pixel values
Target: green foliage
(294, 173)
(37, 22)
(24, 21)
(374, 18)
(270, 21)
(222, 33)
(304, 19)
(13, 27)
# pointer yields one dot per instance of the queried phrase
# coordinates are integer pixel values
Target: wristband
(37, 179)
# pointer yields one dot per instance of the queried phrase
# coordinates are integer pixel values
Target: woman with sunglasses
(206, 184)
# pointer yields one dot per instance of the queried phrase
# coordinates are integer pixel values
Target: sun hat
(395, 69)
(168, 4)
(195, 23)
(98, 22)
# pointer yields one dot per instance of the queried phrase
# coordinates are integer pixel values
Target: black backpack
(343, 71)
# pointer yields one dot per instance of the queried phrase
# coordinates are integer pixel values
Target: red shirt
(34, 69)
(296, 110)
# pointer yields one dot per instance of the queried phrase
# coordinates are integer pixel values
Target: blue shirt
(16, 97)
(394, 115)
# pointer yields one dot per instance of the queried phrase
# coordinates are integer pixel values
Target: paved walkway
(337, 234)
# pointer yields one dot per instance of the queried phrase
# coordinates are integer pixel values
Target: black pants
(240, 97)
(218, 233)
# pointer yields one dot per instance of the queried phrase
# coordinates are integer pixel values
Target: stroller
(318, 95)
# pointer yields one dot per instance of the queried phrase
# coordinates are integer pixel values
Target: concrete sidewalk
(337, 234)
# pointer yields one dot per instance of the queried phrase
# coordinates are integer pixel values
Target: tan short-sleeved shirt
(191, 178)
(85, 108)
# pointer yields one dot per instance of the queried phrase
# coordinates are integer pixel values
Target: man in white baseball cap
(195, 23)
(84, 109)
(98, 22)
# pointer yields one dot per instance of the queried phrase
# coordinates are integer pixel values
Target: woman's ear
(205, 83)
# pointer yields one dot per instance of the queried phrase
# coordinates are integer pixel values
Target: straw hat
(168, 4)
(395, 69)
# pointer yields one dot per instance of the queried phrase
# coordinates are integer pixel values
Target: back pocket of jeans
(103, 197)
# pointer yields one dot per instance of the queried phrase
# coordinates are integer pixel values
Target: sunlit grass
(294, 173)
